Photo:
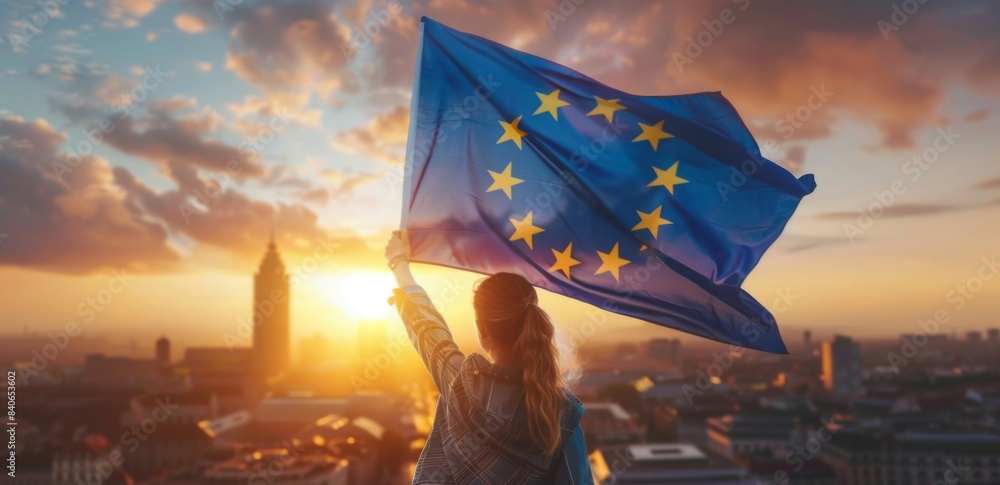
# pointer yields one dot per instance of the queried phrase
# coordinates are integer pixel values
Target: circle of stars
(524, 229)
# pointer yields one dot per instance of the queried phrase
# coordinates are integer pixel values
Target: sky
(148, 150)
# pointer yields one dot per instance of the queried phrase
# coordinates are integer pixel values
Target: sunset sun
(360, 295)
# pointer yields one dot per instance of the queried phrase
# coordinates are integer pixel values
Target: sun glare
(360, 295)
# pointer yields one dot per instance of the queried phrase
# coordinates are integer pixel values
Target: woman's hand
(397, 250)
(397, 255)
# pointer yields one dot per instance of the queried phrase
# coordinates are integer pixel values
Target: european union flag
(655, 207)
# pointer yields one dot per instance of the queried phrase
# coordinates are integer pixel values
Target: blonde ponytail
(543, 395)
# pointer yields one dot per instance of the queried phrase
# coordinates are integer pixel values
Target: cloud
(190, 23)
(977, 115)
(163, 138)
(348, 181)
(382, 138)
(210, 211)
(126, 13)
(794, 158)
(767, 61)
(899, 210)
(97, 217)
(204, 66)
(76, 224)
(794, 243)
(254, 113)
(169, 130)
(288, 47)
(284, 176)
(317, 196)
(993, 183)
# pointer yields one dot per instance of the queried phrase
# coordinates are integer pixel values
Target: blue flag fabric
(656, 207)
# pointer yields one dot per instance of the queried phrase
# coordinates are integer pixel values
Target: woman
(506, 422)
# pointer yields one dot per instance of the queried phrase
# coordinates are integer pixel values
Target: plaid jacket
(480, 433)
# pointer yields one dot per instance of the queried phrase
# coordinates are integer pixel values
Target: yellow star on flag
(524, 229)
(667, 178)
(504, 181)
(651, 221)
(610, 262)
(653, 134)
(564, 260)
(550, 104)
(606, 108)
(512, 132)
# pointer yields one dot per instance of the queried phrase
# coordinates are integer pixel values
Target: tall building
(842, 367)
(807, 339)
(993, 335)
(271, 328)
(163, 352)
(974, 336)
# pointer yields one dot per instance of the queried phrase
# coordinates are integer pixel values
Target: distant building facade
(666, 350)
(745, 434)
(608, 422)
(271, 316)
(861, 458)
(163, 352)
(842, 367)
(665, 464)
